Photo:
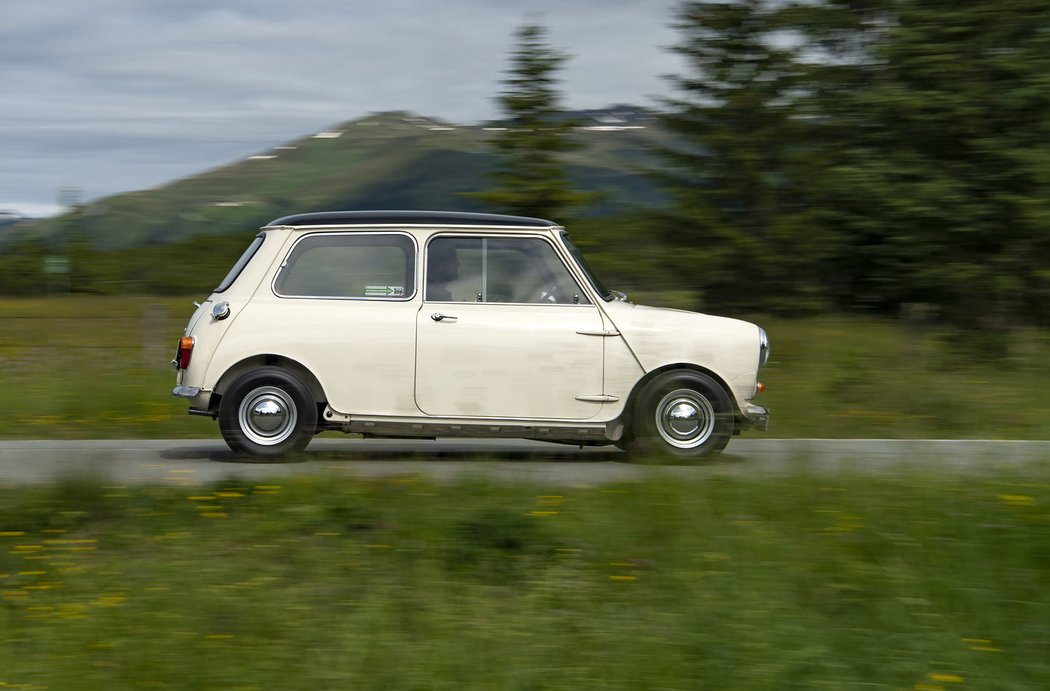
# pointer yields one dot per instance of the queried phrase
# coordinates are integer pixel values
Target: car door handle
(438, 316)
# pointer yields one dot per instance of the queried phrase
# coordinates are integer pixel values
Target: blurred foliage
(908, 580)
(882, 154)
(741, 224)
(531, 178)
(188, 266)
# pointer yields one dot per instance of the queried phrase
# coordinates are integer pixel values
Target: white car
(441, 324)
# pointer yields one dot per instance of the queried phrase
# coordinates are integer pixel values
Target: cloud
(112, 95)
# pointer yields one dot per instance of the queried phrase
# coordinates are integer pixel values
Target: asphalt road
(181, 461)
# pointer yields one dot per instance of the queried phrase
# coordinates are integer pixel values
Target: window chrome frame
(467, 235)
(407, 297)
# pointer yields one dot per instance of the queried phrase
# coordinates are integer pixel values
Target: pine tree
(531, 177)
(739, 226)
(875, 153)
(944, 157)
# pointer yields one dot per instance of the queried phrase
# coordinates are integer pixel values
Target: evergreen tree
(530, 177)
(942, 157)
(740, 228)
(877, 153)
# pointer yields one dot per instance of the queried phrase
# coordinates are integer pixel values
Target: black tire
(267, 414)
(680, 415)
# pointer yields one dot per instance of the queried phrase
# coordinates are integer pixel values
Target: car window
(238, 267)
(345, 265)
(498, 269)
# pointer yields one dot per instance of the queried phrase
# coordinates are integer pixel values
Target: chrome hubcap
(267, 416)
(685, 418)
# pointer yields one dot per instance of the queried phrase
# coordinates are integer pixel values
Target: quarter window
(360, 265)
(498, 269)
(241, 263)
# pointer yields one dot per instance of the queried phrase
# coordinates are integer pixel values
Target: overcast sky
(108, 96)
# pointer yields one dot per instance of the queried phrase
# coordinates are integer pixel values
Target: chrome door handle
(438, 316)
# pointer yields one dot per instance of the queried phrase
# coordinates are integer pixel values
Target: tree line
(886, 155)
(889, 155)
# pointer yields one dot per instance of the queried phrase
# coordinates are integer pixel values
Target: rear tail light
(183, 353)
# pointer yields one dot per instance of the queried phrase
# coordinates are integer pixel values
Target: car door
(505, 331)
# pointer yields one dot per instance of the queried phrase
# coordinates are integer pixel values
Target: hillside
(388, 160)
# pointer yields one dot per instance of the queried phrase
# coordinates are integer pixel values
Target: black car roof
(456, 218)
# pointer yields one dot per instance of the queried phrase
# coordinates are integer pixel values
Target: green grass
(92, 367)
(84, 367)
(853, 377)
(905, 582)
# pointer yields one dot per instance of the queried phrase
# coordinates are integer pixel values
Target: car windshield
(603, 292)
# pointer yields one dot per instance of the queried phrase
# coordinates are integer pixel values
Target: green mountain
(384, 161)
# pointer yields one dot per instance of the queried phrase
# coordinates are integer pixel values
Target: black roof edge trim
(332, 218)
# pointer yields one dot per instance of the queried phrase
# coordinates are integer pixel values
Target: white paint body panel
(508, 361)
(660, 337)
(360, 351)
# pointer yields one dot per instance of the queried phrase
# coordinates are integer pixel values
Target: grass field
(904, 582)
(83, 367)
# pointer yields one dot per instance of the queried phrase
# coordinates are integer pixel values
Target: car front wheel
(267, 414)
(682, 415)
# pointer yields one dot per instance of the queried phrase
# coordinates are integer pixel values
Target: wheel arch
(627, 414)
(267, 360)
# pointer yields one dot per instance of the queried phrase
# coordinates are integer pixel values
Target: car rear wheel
(681, 415)
(267, 414)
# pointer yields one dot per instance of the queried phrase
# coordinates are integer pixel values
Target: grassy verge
(903, 582)
(93, 367)
(83, 367)
(868, 378)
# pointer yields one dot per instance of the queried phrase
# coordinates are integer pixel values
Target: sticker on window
(384, 291)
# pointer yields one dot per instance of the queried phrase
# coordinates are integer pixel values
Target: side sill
(493, 429)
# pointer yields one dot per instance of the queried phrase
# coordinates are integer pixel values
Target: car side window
(238, 267)
(498, 269)
(349, 265)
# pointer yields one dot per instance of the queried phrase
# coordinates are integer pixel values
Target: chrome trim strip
(538, 234)
(335, 416)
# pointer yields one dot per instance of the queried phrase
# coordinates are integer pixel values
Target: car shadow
(436, 451)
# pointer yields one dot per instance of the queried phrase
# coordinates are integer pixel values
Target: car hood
(659, 336)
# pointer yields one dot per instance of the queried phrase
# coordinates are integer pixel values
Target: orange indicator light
(185, 351)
